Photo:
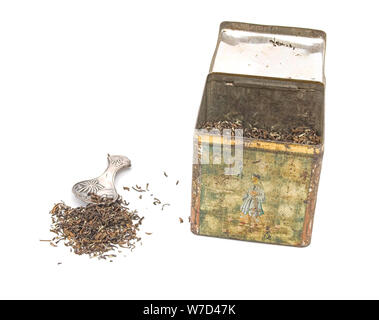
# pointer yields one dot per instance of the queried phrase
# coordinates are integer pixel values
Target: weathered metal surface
(282, 178)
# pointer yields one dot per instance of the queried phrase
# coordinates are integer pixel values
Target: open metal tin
(273, 77)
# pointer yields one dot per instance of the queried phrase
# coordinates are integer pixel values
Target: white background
(80, 79)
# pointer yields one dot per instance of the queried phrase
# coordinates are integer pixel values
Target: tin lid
(270, 51)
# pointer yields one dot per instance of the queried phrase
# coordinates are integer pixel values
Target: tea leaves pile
(97, 229)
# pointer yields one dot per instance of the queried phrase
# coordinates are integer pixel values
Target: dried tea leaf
(156, 201)
(301, 135)
(96, 229)
(138, 189)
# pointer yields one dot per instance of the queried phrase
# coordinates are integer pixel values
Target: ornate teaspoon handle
(104, 184)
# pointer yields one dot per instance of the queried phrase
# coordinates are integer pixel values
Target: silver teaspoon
(103, 185)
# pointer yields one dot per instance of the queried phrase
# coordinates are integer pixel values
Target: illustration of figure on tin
(253, 200)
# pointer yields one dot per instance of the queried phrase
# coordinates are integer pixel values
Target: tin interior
(269, 51)
(287, 94)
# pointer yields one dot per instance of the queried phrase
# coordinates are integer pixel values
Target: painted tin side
(288, 179)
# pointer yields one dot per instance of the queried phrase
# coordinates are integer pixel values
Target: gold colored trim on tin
(265, 145)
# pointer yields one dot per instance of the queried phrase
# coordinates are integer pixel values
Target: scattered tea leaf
(156, 201)
(138, 189)
(165, 204)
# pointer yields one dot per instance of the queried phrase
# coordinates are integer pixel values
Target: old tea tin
(273, 76)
